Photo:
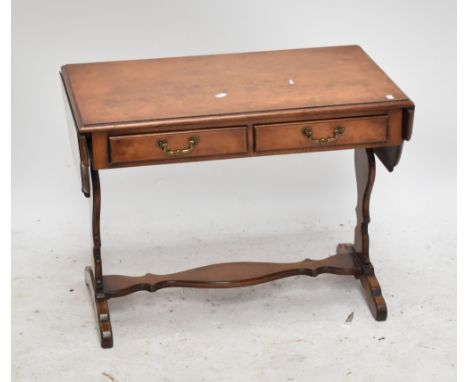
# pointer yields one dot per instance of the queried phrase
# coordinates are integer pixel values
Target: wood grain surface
(170, 110)
(110, 93)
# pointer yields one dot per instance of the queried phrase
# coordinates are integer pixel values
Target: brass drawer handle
(192, 142)
(339, 130)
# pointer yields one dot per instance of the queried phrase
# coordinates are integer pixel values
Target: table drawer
(176, 145)
(322, 133)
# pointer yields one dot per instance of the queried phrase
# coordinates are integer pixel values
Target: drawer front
(321, 134)
(178, 145)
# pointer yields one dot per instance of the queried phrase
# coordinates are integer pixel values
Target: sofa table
(171, 110)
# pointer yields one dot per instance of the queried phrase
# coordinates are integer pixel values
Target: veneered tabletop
(111, 93)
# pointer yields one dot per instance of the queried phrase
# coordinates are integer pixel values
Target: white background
(278, 208)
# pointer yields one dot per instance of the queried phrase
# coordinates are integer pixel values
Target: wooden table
(170, 110)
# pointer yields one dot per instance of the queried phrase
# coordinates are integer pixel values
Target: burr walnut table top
(109, 95)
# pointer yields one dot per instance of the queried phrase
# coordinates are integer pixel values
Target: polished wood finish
(101, 308)
(107, 94)
(371, 287)
(286, 136)
(84, 165)
(94, 280)
(141, 97)
(134, 113)
(144, 147)
(408, 118)
(230, 275)
(364, 162)
(83, 153)
(263, 137)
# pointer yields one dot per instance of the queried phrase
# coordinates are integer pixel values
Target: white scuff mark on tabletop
(389, 96)
(221, 95)
(291, 81)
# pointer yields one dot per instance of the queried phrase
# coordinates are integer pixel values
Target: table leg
(364, 162)
(351, 259)
(94, 280)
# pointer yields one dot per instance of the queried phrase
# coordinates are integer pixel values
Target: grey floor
(287, 330)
